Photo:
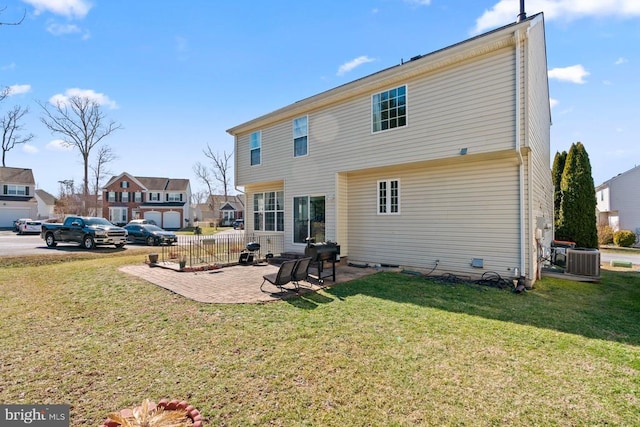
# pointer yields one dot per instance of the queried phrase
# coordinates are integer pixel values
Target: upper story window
(154, 197)
(255, 145)
(389, 109)
(124, 197)
(16, 190)
(389, 197)
(137, 196)
(174, 197)
(124, 184)
(111, 196)
(300, 133)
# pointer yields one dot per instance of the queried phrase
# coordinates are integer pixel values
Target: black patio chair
(300, 271)
(282, 277)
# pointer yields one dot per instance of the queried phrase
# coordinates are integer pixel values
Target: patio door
(308, 218)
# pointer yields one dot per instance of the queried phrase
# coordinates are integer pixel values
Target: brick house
(166, 201)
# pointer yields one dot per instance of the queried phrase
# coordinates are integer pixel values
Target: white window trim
(259, 133)
(293, 136)
(406, 104)
(388, 196)
(264, 211)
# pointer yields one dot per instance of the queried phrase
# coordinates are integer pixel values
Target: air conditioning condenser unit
(583, 262)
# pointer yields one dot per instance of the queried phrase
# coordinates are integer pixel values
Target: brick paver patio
(238, 284)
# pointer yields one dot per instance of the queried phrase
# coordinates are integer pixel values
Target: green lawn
(387, 350)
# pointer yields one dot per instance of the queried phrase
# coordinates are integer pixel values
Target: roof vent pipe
(522, 15)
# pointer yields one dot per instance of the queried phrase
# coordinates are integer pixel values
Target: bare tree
(68, 202)
(99, 169)
(216, 173)
(11, 128)
(80, 122)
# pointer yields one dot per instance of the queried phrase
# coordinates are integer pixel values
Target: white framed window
(137, 196)
(389, 197)
(16, 190)
(268, 211)
(389, 109)
(300, 136)
(174, 197)
(154, 197)
(124, 184)
(124, 197)
(111, 196)
(255, 146)
(118, 215)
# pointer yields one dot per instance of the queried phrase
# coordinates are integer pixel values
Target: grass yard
(387, 350)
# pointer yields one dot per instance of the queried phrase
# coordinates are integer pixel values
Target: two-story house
(166, 201)
(438, 162)
(17, 188)
(618, 201)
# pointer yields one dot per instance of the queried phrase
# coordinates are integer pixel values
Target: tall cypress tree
(577, 217)
(556, 177)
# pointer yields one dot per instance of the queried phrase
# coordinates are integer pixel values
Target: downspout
(518, 131)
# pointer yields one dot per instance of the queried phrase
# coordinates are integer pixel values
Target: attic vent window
(389, 109)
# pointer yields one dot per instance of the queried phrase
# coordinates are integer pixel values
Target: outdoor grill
(321, 253)
(247, 256)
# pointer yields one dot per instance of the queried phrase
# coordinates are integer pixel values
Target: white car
(30, 227)
(18, 222)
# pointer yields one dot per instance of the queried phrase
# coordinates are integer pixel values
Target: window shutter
(180, 196)
(5, 190)
(166, 197)
(26, 190)
(120, 184)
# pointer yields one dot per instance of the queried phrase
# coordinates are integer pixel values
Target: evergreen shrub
(624, 238)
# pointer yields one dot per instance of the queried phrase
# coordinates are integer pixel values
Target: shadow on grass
(608, 310)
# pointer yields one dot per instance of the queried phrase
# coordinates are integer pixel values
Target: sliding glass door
(308, 218)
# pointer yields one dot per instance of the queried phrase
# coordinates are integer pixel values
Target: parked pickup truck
(87, 231)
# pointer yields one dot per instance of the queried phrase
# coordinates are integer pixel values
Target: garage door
(8, 215)
(154, 216)
(171, 220)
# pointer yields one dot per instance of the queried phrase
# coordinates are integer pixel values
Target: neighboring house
(441, 160)
(163, 200)
(46, 204)
(17, 200)
(618, 201)
(220, 210)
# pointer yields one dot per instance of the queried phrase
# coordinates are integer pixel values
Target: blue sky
(176, 75)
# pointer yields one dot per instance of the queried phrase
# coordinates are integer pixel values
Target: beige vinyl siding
(538, 136)
(448, 213)
(469, 106)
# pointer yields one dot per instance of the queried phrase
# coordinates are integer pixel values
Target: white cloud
(418, 2)
(10, 66)
(100, 98)
(28, 148)
(348, 66)
(62, 29)
(19, 89)
(68, 8)
(621, 60)
(572, 74)
(506, 11)
(58, 145)
(553, 102)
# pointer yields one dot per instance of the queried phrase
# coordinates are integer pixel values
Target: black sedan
(149, 234)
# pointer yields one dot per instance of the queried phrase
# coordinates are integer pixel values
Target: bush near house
(624, 238)
(605, 235)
